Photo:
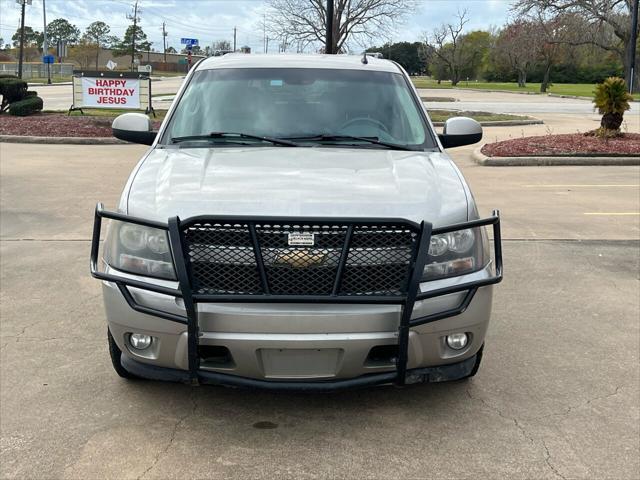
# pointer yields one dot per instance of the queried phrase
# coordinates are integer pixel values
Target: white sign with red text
(111, 92)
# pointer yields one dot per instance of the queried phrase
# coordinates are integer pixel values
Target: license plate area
(300, 362)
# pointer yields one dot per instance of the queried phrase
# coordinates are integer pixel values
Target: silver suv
(296, 224)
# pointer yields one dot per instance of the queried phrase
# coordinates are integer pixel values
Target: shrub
(12, 90)
(612, 100)
(26, 107)
(31, 93)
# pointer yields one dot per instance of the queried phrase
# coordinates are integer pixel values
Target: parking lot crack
(571, 408)
(547, 460)
(594, 399)
(71, 312)
(522, 430)
(174, 431)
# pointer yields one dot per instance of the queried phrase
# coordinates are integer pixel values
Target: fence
(37, 70)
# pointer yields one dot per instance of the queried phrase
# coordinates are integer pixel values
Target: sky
(213, 20)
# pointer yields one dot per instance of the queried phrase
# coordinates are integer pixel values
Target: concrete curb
(502, 123)
(556, 95)
(560, 95)
(539, 161)
(496, 91)
(438, 99)
(62, 140)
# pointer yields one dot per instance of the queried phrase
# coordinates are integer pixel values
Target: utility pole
(328, 46)
(23, 2)
(234, 38)
(45, 45)
(632, 48)
(133, 34)
(164, 40)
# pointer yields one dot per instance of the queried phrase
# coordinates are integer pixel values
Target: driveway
(516, 103)
(556, 397)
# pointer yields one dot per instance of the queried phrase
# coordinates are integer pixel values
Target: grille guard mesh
(376, 259)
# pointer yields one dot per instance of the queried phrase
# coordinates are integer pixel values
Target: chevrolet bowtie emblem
(300, 259)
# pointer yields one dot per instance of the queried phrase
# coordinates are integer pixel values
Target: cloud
(212, 20)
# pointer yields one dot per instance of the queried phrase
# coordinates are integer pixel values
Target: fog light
(139, 341)
(457, 341)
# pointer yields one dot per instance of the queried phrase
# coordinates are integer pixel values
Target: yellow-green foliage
(611, 96)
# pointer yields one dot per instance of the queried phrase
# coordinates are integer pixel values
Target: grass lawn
(159, 73)
(577, 89)
(436, 115)
(443, 115)
(54, 79)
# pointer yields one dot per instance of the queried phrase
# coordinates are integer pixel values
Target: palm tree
(612, 100)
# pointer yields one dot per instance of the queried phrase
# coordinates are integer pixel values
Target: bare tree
(447, 45)
(554, 33)
(609, 19)
(221, 46)
(517, 47)
(354, 20)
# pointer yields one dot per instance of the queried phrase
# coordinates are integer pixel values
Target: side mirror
(460, 131)
(134, 127)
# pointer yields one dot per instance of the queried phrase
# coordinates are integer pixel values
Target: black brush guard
(405, 295)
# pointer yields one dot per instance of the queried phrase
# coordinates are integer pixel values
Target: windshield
(308, 105)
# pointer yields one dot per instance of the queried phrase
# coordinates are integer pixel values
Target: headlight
(139, 250)
(456, 253)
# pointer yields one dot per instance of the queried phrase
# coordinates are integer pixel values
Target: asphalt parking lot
(557, 395)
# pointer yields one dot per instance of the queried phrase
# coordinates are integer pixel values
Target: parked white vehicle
(297, 224)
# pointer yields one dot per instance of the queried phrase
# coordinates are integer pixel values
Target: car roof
(344, 62)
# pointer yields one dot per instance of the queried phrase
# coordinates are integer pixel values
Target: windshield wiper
(215, 135)
(374, 140)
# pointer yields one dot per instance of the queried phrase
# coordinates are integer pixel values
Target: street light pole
(45, 45)
(23, 3)
(632, 47)
(328, 46)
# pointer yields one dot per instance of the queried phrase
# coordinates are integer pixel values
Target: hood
(297, 182)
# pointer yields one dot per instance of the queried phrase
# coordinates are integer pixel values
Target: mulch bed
(568, 144)
(56, 125)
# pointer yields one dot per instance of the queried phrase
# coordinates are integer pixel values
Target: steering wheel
(377, 123)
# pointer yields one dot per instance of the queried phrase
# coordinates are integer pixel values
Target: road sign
(48, 59)
(111, 64)
(62, 49)
(189, 41)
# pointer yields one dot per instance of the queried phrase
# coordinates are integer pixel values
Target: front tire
(116, 354)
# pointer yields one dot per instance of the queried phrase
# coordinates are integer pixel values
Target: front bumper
(444, 373)
(267, 334)
(247, 330)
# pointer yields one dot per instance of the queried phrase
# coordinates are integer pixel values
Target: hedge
(31, 93)
(26, 107)
(12, 90)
